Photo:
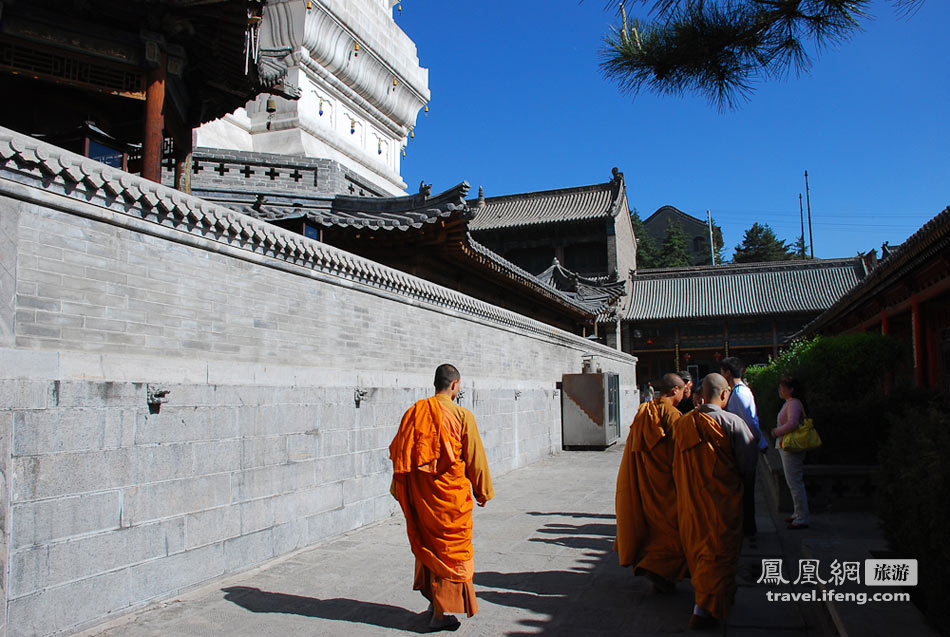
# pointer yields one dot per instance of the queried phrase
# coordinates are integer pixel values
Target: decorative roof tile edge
(36, 164)
(903, 258)
(712, 316)
(743, 268)
(537, 194)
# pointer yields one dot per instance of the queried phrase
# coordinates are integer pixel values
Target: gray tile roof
(498, 263)
(753, 289)
(595, 294)
(598, 201)
(375, 213)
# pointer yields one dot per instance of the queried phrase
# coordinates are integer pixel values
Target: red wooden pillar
(154, 123)
(920, 372)
(933, 353)
(884, 326)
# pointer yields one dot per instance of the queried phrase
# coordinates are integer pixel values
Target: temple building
(690, 318)
(906, 295)
(125, 83)
(217, 299)
(586, 228)
(696, 231)
(429, 236)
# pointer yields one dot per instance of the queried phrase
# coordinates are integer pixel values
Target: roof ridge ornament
(481, 197)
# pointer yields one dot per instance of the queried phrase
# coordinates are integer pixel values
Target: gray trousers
(793, 465)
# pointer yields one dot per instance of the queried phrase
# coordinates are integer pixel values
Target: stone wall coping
(35, 171)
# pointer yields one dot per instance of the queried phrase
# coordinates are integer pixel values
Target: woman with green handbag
(791, 418)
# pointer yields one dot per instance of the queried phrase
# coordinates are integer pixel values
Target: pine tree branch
(721, 48)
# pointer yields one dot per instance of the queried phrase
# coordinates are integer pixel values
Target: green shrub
(843, 378)
(914, 478)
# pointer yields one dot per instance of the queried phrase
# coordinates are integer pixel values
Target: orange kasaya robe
(438, 459)
(709, 499)
(647, 533)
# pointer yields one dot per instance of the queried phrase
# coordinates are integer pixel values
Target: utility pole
(811, 243)
(712, 247)
(801, 215)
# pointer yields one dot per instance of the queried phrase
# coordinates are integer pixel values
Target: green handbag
(804, 438)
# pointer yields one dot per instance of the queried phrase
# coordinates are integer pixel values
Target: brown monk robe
(715, 450)
(438, 461)
(647, 535)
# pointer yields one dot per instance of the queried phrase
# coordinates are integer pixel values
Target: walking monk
(438, 461)
(647, 535)
(715, 451)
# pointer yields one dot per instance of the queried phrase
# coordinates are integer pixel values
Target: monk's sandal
(449, 622)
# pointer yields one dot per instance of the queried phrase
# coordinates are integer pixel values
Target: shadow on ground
(595, 596)
(336, 608)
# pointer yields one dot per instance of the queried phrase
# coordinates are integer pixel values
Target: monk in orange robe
(438, 462)
(647, 533)
(715, 451)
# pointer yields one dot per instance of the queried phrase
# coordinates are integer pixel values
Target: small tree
(717, 244)
(759, 243)
(800, 248)
(674, 253)
(647, 250)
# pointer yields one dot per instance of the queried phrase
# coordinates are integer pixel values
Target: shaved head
(445, 375)
(713, 387)
(670, 382)
(671, 388)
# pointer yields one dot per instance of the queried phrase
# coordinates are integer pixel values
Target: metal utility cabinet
(590, 410)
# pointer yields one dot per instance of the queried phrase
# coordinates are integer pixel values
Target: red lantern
(687, 356)
(717, 356)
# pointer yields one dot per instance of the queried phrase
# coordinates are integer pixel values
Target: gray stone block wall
(8, 258)
(260, 447)
(154, 503)
(238, 170)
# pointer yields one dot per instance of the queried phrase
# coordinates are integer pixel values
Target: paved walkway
(543, 566)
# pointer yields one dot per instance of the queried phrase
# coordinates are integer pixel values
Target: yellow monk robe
(647, 532)
(438, 460)
(713, 449)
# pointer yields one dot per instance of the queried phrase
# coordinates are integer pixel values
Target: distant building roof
(675, 212)
(598, 201)
(753, 289)
(923, 246)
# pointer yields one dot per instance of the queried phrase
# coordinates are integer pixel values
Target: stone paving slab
(543, 564)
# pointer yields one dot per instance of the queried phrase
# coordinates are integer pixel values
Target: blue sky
(519, 104)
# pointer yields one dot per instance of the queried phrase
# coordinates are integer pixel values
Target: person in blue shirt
(742, 404)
